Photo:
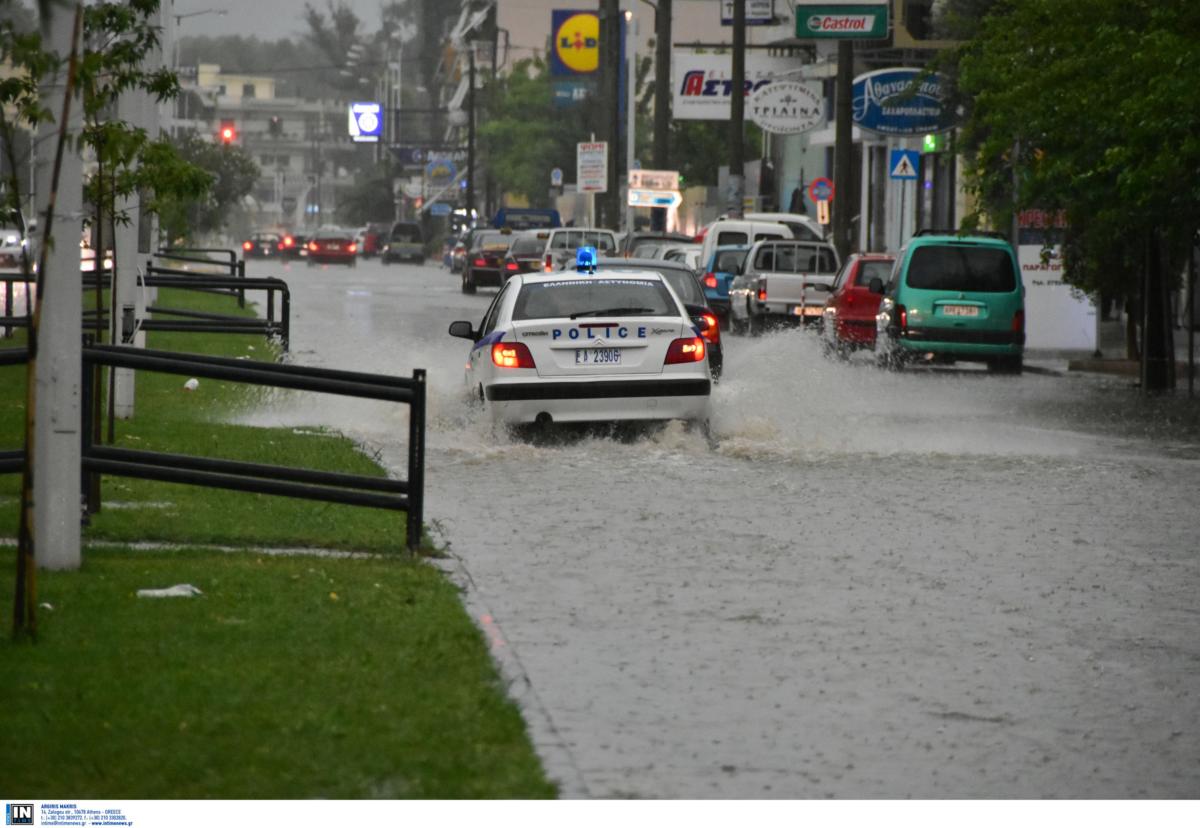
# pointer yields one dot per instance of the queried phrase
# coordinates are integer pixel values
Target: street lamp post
(631, 31)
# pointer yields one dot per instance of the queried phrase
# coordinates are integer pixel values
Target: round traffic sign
(556, 177)
(821, 189)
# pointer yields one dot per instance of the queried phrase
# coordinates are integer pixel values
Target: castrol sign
(849, 20)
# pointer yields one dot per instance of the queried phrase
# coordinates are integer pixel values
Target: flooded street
(936, 584)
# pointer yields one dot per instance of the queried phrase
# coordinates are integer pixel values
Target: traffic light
(228, 132)
(934, 143)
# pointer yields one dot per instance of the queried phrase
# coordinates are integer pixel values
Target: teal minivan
(952, 297)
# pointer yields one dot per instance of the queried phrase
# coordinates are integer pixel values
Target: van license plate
(597, 356)
(960, 310)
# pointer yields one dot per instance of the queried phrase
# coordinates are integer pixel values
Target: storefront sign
(591, 167)
(852, 19)
(576, 43)
(703, 83)
(758, 12)
(901, 102)
(787, 107)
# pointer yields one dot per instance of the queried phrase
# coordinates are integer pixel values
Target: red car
(332, 248)
(849, 319)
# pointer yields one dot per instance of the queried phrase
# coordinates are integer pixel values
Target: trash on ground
(177, 591)
(191, 385)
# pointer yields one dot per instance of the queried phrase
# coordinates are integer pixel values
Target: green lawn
(290, 677)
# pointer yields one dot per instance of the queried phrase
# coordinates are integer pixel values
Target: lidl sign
(854, 19)
(576, 42)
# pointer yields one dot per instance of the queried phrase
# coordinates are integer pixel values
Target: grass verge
(290, 677)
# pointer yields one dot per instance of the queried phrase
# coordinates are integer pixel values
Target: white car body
(594, 368)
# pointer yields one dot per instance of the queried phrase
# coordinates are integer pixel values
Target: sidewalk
(1110, 358)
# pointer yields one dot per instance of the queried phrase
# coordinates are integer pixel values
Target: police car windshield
(569, 299)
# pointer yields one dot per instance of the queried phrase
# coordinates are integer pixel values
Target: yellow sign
(577, 42)
(823, 212)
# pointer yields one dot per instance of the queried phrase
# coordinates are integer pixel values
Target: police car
(587, 347)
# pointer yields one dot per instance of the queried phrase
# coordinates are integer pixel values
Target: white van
(802, 227)
(726, 231)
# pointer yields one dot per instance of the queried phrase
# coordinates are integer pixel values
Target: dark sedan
(332, 248)
(484, 266)
(262, 246)
(682, 280)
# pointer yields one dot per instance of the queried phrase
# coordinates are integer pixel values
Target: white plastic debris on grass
(177, 591)
(191, 385)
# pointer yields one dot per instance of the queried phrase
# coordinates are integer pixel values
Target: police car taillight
(712, 328)
(690, 349)
(512, 355)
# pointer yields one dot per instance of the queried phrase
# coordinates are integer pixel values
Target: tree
(527, 135)
(231, 175)
(1092, 107)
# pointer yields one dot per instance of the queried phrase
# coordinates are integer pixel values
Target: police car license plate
(597, 356)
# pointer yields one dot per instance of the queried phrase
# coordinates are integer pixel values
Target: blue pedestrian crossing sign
(903, 164)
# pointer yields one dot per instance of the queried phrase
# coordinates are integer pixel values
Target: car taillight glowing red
(712, 328)
(312, 246)
(512, 355)
(1018, 324)
(288, 241)
(762, 291)
(710, 280)
(350, 248)
(247, 245)
(902, 315)
(690, 349)
(511, 266)
(480, 262)
(549, 263)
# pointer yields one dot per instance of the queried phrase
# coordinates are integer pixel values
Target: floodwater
(938, 583)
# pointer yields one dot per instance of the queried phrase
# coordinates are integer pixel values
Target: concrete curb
(556, 756)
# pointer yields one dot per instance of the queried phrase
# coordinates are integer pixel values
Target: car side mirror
(875, 285)
(464, 330)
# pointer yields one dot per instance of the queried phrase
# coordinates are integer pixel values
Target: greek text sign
(704, 83)
(787, 107)
(900, 102)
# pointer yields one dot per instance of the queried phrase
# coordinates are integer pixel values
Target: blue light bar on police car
(585, 260)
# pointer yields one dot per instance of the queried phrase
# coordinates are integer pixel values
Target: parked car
(12, 244)
(405, 242)
(952, 297)
(849, 322)
(332, 247)
(782, 282)
(484, 266)
(682, 280)
(373, 239)
(262, 245)
(723, 267)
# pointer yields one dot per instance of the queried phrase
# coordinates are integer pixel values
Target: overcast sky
(268, 19)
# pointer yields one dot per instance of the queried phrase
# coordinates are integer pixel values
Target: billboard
(703, 82)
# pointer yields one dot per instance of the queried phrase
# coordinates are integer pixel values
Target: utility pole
(470, 132)
(662, 100)
(843, 152)
(737, 114)
(610, 48)
(57, 453)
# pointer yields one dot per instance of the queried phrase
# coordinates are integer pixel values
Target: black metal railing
(406, 495)
(274, 324)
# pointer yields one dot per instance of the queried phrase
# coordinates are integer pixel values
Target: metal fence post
(416, 461)
(285, 309)
(241, 274)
